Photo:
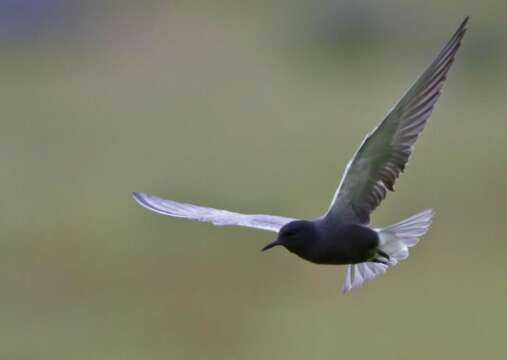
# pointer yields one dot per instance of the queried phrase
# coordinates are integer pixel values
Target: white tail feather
(394, 241)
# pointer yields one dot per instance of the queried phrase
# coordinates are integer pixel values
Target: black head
(295, 235)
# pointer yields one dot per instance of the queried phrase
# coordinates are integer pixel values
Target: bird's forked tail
(394, 241)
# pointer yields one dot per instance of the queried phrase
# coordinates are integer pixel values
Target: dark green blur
(252, 106)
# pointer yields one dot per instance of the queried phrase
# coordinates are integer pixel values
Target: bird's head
(295, 235)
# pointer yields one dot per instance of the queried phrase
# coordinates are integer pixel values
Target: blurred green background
(239, 105)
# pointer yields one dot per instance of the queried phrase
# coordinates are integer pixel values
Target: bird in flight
(342, 236)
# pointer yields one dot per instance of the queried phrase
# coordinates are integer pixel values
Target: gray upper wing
(205, 214)
(384, 152)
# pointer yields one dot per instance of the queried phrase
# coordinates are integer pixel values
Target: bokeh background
(253, 106)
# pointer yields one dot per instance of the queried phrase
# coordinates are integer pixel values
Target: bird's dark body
(321, 243)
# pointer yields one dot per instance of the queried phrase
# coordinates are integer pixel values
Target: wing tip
(462, 26)
(462, 29)
(465, 21)
(137, 196)
(142, 200)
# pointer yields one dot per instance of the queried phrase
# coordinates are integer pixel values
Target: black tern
(342, 236)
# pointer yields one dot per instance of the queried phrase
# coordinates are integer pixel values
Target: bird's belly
(338, 257)
(352, 245)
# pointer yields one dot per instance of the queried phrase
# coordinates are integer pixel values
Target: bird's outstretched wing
(205, 214)
(384, 152)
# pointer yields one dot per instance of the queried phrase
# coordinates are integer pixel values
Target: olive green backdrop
(253, 106)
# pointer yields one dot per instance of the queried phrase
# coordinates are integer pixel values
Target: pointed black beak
(270, 245)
